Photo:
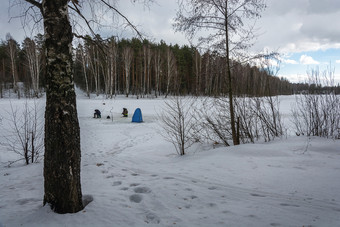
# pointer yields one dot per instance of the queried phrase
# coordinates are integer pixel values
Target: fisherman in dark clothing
(125, 112)
(97, 114)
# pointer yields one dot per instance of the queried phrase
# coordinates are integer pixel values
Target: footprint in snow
(288, 205)
(28, 200)
(212, 205)
(168, 178)
(136, 198)
(142, 190)
(116, 183)
(257, 195)
(152, 218)
(336, 209)
(212, 188)
(110, 176)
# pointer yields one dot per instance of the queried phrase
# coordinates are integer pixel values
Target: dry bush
(177, 122)
(212, 121)
(24, 132)
(256, 118)
(316, 112)
(259, 118)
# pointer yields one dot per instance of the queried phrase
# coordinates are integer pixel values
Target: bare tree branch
(76, 9)
(123, 16)
(35, 3)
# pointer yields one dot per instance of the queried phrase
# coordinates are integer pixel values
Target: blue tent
(137, 116)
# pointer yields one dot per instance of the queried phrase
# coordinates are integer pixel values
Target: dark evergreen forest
(140, 68)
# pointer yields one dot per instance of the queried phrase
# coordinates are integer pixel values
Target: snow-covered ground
(133, 177)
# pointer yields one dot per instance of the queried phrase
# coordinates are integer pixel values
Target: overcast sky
(305, 32)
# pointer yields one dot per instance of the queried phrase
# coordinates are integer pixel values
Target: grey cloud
(284, 7)
(294, 25)
(285, 24)
(323, 6)
(321, 27)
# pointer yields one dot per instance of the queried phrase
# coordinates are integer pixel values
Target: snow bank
(132, 177)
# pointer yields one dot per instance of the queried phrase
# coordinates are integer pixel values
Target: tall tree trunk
(62, 134)
(84, 63)
(198, 70)
(127, 58)
(157, 65)
(12, 53)
(149, 71)
(236, 139)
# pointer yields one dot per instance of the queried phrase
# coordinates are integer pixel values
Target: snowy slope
(132, 177)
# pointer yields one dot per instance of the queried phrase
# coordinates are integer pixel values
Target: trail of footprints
(140, 191)
(137, 197)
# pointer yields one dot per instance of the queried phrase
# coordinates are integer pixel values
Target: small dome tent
(137, 116)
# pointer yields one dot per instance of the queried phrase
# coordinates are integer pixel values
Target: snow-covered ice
(132, 177)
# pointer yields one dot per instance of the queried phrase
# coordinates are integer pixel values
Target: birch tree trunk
(84, 63)
(148, 81)
(157, 65)
(113, 67)
(127, 58)
(12, 52)
(62, 134)
(171, 69)
(94, 66)
(34, 63)
(198, 72)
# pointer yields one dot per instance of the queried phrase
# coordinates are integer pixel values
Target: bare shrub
(316, 112)
(259, 118)
(213, 121)
(24, 132)
(247, 120)
(177, 122)
(256, 118)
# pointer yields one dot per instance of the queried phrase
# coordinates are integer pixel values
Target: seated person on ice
(97, 114)
(125, 112)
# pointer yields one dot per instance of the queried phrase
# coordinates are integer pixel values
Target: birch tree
(93, 60)
(84, 63)
(12, 52)
(198, 71)
(171, 69)
(227, 32)
(62, 188)
(113, 54)
(127, 61)
(157, 64)
(147, 55)
(33, 57)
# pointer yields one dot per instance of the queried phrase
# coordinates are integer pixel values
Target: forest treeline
(141, 68)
